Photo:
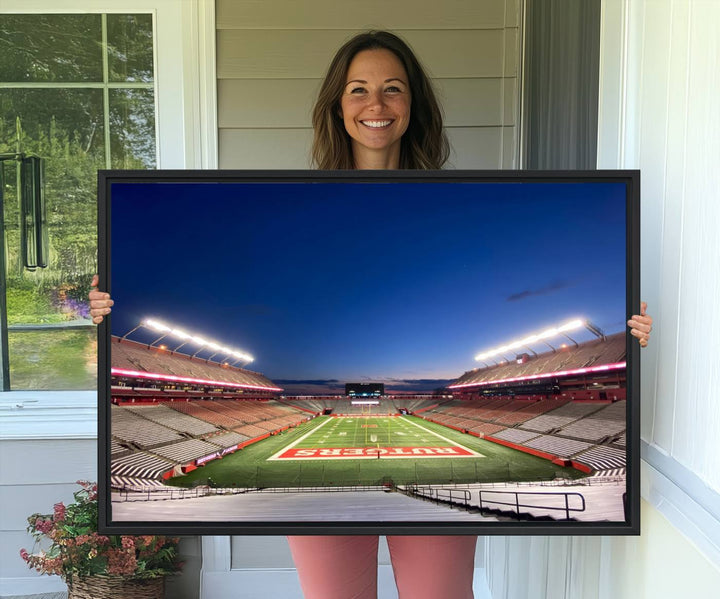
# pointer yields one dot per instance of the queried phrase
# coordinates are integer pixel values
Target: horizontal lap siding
(287, 103)
(334, 14)
(271, 59)
(270, 54)
(35, 475)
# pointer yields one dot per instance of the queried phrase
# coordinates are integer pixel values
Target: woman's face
(375, 105)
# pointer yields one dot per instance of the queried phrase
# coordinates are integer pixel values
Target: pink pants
(337, 567)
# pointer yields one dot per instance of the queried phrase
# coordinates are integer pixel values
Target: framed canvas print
(385, 352)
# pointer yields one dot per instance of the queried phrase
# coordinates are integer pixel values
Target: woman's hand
(641, 325)
(100, 302)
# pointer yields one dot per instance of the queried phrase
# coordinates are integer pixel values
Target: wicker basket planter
(116, 587)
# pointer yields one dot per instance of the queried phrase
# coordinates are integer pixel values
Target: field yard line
(294, 443)
(446, 439)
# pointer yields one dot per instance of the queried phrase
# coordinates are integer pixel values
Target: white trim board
(680, 495)
(48, 415)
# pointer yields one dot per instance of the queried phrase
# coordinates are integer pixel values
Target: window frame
(186, 137)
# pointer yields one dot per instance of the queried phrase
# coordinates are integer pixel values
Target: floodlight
(527, 341)
(548, 333)
(190, 338)
(154, 324)
(572, 325)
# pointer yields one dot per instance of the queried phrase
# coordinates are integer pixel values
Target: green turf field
(344, 451)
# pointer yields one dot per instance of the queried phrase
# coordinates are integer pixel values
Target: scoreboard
(364, 389)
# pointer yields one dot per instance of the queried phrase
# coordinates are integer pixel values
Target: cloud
(551, 287)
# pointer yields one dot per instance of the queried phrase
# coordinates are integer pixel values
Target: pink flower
(128, 543)
(121, 562)
(24, 555)
(44, 526)
(59, 512)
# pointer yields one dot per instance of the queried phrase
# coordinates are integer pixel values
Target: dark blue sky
(357, 281)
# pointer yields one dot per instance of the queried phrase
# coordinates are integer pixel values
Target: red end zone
(372, 452)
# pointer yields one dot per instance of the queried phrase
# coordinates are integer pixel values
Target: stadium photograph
(367, 353)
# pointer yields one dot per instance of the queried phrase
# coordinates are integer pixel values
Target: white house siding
(271, 58)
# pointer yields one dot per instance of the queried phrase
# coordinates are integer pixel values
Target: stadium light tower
(544, 337)
(189, 338)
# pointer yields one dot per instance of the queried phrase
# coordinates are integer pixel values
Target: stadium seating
(185, 451)
(172, 419)
(140, 465)
(227, 439)
(558, 446)
(201, 410)
(130, 355)
(130, 427)
(604, 423)
(560, 417)
(527, 412)
(609, 351)
(515, 435)
(603, 457)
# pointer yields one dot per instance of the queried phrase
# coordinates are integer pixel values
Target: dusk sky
(402, 283)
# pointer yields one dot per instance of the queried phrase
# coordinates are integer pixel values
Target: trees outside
(82, 104)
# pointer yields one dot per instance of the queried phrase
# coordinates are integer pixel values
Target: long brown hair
(424, 144)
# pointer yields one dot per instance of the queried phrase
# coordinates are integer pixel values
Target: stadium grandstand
(567, 404)
(172, 412)
(551, 418)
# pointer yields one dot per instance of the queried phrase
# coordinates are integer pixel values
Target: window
(78, 91)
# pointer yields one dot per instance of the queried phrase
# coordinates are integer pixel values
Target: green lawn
(53, 359)
(251, 467)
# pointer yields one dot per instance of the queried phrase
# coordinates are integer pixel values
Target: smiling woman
(364, 108)
(375, 108)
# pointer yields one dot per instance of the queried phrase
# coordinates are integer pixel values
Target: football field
(372, 437)
(371, 450)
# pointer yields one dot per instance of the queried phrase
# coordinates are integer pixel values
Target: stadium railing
(517, 505)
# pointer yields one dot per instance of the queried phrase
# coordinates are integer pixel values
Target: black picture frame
(443, 182)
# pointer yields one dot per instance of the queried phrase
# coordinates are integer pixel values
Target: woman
(377, 110)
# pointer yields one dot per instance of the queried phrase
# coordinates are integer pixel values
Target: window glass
(57, 102)
(132, 128)
(37, 48)
(130, 47)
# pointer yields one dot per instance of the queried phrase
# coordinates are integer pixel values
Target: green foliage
(27, 304)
